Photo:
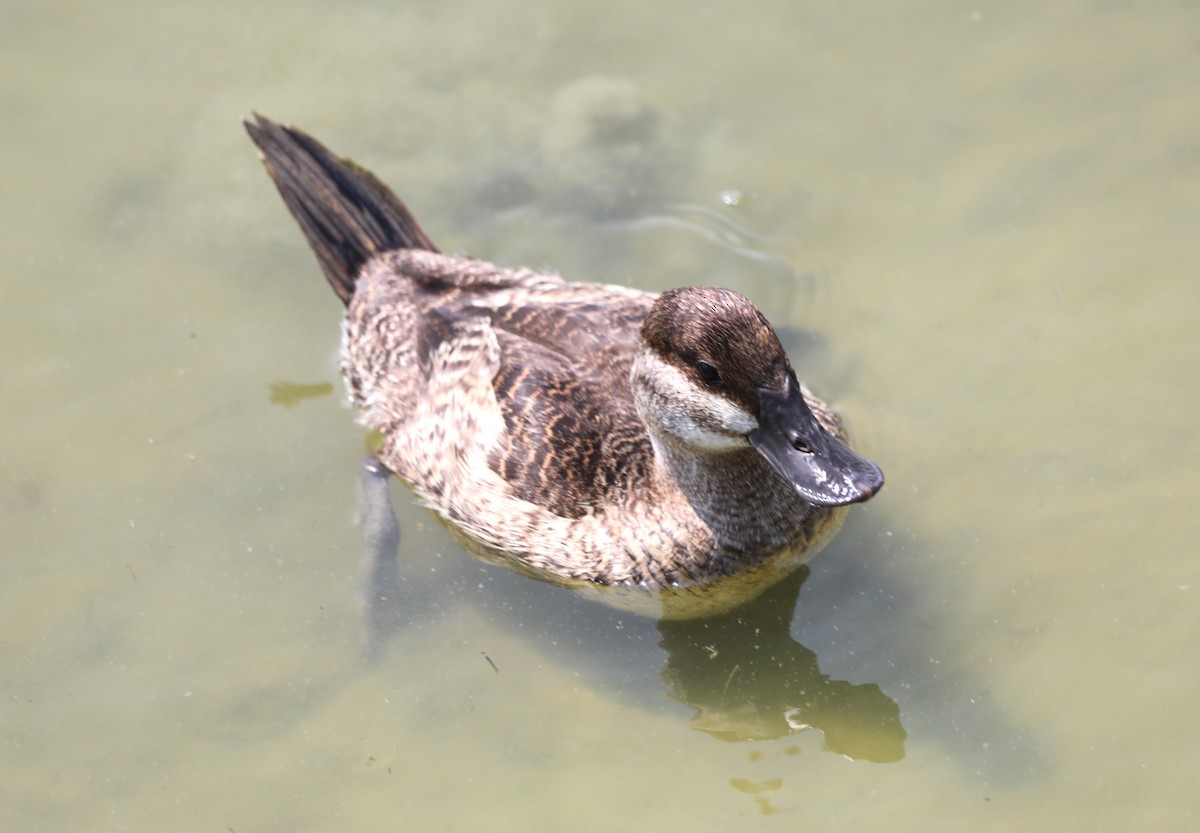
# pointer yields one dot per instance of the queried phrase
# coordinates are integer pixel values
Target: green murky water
(979, 226)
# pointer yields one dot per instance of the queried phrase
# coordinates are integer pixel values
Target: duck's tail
(347, 215)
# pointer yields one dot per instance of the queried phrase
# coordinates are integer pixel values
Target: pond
(977, 228)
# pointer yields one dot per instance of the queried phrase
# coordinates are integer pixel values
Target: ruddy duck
(656, 447)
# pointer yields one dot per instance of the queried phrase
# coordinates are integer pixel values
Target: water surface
(977, 227)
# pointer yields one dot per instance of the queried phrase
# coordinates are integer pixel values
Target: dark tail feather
(347, 215)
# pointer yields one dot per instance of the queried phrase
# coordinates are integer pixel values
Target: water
(977, 226)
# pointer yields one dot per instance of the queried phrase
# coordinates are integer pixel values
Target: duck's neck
(742, 501)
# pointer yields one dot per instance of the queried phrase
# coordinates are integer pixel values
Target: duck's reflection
(748, 679)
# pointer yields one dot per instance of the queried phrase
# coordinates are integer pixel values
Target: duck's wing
(572, 435)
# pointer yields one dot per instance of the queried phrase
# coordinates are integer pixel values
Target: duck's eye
(707, 372)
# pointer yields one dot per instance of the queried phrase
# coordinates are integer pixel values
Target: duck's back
(464, 365)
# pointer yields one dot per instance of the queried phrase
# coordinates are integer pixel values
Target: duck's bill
(823, 471)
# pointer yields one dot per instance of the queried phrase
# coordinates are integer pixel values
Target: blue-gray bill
(823, 471)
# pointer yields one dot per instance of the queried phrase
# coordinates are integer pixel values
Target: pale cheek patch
(681, 408)
(698, 436)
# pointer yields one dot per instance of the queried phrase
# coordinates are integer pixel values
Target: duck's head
(713, 377)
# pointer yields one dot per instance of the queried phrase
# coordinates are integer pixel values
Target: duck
(655, 448)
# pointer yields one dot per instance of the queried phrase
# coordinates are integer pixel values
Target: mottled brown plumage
(656, 447)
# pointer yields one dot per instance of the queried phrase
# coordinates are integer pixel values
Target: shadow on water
(748, 679)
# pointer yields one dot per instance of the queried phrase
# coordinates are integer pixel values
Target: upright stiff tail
(347, 215)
